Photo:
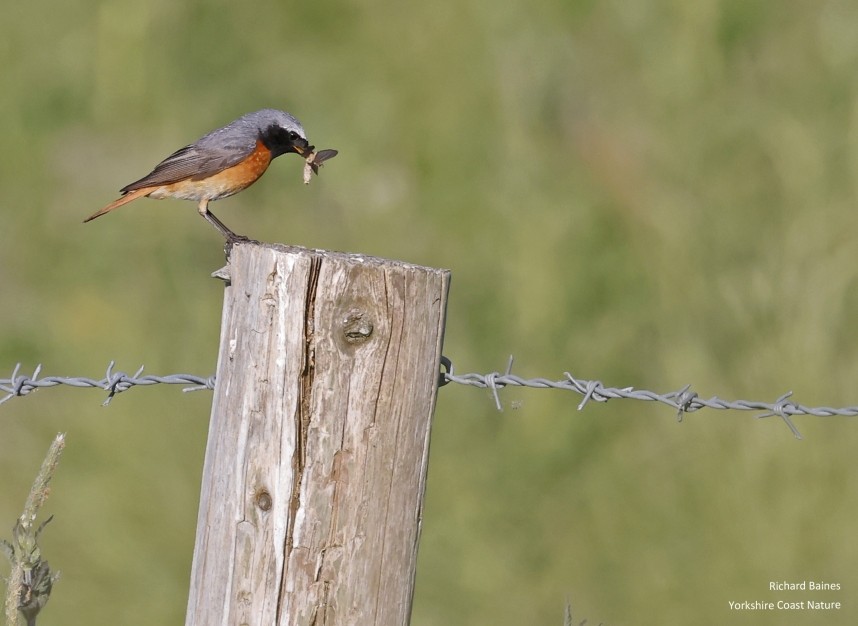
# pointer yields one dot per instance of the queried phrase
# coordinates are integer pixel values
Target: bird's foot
(232, 239)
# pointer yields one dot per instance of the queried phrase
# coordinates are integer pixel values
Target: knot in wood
(263, 500)
(357, 327)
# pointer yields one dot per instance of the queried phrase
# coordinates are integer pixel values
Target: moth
(314, 160)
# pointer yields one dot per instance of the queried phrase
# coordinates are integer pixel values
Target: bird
(222, 163)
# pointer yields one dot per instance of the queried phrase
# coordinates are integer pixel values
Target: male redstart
(222, 163)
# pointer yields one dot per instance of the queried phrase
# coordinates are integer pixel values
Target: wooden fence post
(317, 452)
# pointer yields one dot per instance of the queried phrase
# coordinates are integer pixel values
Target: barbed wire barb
(779, 409)
(685, 402)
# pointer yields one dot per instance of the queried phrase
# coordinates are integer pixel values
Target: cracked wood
(315, 469)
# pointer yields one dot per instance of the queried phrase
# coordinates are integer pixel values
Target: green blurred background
(646, 193)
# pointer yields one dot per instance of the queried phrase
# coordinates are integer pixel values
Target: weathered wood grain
(318, 446)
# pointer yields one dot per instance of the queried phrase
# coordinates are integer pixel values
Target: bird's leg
(210, 217)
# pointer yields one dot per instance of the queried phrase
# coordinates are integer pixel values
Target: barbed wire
(683, 400)
(113, 382)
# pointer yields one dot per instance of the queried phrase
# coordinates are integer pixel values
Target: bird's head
(280, 132)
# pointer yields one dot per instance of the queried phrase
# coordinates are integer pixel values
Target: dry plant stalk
(30, 582)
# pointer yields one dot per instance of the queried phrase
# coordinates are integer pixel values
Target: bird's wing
(196, 161)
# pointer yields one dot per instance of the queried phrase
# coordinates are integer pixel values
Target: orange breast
(226, 183)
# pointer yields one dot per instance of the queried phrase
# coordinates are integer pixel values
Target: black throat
(278, 140)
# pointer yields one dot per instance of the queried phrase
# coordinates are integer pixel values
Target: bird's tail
(137, 193)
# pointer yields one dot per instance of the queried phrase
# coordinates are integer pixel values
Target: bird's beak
(303, 148)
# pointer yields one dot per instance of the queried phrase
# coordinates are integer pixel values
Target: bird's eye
(293, 135)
